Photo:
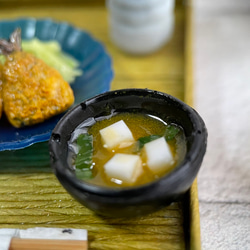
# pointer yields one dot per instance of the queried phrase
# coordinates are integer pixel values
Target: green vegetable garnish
(83, 161)
(51, 53)
(146, 139)
(84, 174)
(170, 133)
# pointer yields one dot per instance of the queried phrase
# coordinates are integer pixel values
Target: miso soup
(94, 154)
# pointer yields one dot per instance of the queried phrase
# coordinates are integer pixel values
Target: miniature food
(116, 135)
(51, 53)
(32, 91)
(127, 149)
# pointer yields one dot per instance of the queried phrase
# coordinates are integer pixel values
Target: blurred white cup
(137, 4)
(142, 26)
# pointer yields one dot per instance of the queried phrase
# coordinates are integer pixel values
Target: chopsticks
(39, 238)
(35, 244)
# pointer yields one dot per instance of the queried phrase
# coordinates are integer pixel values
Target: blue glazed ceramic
(94, 62)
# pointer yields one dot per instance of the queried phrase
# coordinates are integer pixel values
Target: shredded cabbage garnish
(51, 53)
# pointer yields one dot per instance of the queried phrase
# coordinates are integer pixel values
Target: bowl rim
(196, 151)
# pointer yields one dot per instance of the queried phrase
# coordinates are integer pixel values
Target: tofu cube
(124, 167)
(158, 154)
(117, 135)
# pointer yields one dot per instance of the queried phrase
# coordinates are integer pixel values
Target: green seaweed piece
(84, 174)
(143, 140)
(170, 133)
(84, 157)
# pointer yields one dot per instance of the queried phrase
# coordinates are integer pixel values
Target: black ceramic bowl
(142, 199)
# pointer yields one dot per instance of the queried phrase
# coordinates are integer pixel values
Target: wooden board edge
(188, 71)
(194, 214)
(35, 3)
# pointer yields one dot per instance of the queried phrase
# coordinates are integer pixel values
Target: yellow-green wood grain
(31, 196)
(194, 214)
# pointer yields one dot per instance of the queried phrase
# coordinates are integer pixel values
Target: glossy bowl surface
(138, 200)
(94, 61)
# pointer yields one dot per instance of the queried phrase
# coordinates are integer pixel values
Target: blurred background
(222, 96)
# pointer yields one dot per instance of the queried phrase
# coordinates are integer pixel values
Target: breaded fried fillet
(32, 90)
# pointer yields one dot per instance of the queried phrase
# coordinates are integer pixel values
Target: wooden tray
(31, 196)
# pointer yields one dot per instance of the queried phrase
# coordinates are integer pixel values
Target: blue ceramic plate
(94, 61)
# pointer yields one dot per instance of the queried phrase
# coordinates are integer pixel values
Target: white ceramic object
(137, 4)
(140, 16)
(144, 39)
(140, 27)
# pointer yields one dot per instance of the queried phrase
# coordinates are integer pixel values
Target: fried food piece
(32, 91)
(1, 98)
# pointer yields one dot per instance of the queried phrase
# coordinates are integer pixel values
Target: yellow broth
(140, 125)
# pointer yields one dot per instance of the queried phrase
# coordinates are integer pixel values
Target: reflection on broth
(95, 161)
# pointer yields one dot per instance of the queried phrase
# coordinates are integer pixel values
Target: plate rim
(43, 137)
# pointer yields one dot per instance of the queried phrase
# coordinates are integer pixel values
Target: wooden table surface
(33, 197)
